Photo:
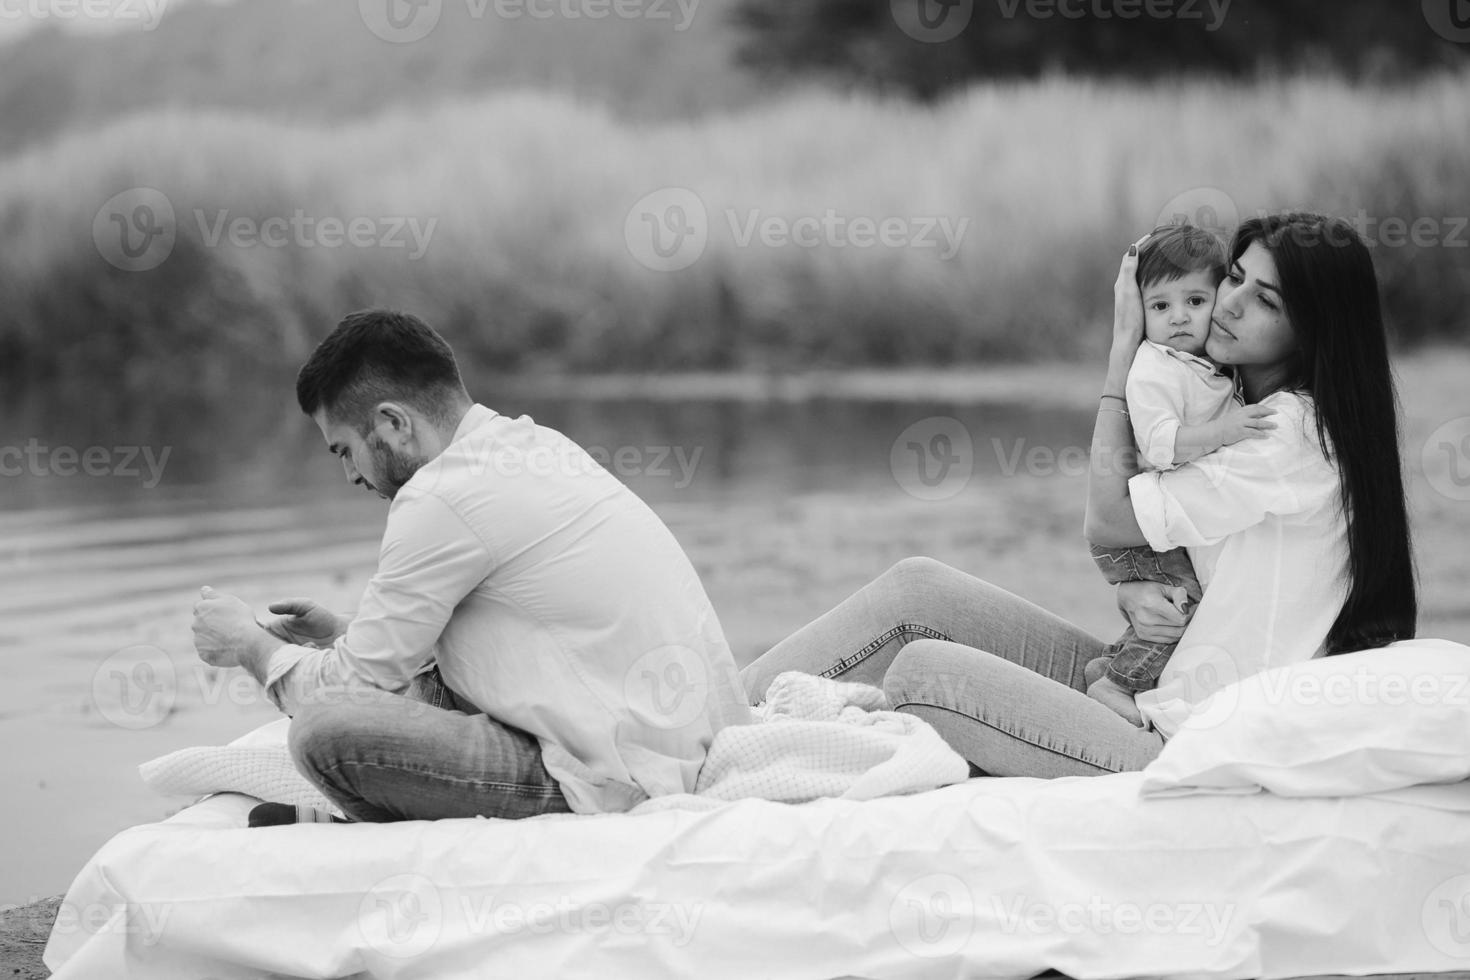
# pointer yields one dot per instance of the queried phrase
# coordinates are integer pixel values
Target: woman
(1300, 539)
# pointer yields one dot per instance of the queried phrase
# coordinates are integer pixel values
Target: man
(585, 667)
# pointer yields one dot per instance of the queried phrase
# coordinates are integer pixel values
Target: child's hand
(1120, 700)
(1245, 422)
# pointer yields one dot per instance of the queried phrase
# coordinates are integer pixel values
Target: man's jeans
(999, 678)
(425, 755)
(1135, 664)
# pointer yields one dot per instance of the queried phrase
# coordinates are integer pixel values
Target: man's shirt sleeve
(430, 560)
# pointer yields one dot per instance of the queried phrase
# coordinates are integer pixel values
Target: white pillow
(1349, 725)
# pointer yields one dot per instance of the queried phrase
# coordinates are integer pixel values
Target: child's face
(1177, 313)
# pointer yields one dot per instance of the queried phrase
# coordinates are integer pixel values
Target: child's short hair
(1174, 251)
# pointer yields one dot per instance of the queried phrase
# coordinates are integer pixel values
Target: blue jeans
(426, 755)
(1131, 662)
(1000, 679)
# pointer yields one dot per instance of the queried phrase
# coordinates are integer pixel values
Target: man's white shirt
(555, 601)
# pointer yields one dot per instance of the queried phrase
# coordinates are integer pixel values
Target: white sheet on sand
(990, 877)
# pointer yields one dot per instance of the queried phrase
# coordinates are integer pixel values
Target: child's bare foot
(1094, 669)
(1116, 697)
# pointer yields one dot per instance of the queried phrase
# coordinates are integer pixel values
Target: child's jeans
(1135, 664)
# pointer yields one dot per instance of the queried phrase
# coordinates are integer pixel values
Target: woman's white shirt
(1262, 522)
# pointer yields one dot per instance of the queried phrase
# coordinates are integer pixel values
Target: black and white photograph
(734, 489)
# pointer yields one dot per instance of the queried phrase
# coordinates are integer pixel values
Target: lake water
(112, 521)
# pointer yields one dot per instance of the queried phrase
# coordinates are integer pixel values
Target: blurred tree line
(901, 45)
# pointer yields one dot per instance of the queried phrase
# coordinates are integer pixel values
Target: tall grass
(528, 266)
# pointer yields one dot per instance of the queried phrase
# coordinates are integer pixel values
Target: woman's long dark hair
(1331, 297)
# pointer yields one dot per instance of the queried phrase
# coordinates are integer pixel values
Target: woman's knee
(918, 573)
(936, 672)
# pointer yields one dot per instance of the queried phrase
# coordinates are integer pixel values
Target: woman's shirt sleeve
(1202, 502)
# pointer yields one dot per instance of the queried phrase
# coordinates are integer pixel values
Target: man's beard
(392, 470)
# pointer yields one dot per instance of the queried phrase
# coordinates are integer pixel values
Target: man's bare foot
(1118, 698)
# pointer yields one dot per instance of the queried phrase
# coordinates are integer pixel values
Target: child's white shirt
(1168, 388)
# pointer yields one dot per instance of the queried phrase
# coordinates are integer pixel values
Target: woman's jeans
(424, 755)
(1000, 678)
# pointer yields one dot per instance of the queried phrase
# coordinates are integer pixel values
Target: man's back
(575, 614)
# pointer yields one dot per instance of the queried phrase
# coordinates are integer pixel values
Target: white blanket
(813, 738)
(989, 878)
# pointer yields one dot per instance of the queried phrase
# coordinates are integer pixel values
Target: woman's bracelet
(1118, 397)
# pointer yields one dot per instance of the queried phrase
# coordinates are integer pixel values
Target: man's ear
(396, 416)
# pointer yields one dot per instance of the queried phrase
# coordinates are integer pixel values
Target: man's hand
(1155, 610)
(224, 628)
(305, 623)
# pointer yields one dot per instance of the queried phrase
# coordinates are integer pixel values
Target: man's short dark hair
(1174, 251)
(380, 355)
